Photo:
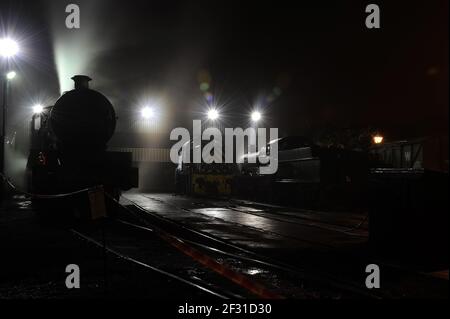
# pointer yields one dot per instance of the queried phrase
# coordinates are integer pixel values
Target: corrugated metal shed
(154, 155)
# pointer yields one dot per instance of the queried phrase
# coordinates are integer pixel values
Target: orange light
(378, 139)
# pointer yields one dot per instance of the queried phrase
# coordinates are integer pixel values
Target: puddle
(254, 271)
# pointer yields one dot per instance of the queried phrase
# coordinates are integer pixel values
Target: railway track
(304, 221)
(216, 267)
(158, 259)
(292, 219)
(302, 213)
(184, 283)
(294, 215)
(326, 247)
(335, 287)
(396, 280)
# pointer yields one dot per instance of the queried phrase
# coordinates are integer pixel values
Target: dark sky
(306, 64)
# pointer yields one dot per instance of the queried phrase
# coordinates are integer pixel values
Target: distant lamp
(38, 108)
(147, 112)
(256, 116)
(378, 139)
(213, 114)
(10, 75)
(8, 47)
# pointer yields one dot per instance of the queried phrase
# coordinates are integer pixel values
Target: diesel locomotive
(68, 147)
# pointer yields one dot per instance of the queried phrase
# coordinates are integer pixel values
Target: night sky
(307, 65)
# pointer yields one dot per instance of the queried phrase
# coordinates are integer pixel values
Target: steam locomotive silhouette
(68, 149)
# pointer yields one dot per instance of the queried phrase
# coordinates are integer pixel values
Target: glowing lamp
(378, 139)
(213, 114)
(147, 112)
(256, 116)
(8, 48)
(38, 108)
(10, 75)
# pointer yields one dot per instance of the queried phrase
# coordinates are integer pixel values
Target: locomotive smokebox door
(82, 118)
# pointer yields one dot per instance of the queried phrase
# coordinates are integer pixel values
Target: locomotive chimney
(81, 81)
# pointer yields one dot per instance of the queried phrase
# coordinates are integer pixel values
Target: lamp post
(8, 49)
(6, 79)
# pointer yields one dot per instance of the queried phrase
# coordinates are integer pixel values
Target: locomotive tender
(68, 149)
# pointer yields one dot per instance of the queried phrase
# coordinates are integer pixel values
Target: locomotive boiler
(68, 149)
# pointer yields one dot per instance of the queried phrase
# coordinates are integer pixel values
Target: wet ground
(35, 253)
(325, 246)
(324, 243)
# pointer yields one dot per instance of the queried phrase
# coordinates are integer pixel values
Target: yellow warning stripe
(222, 269)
